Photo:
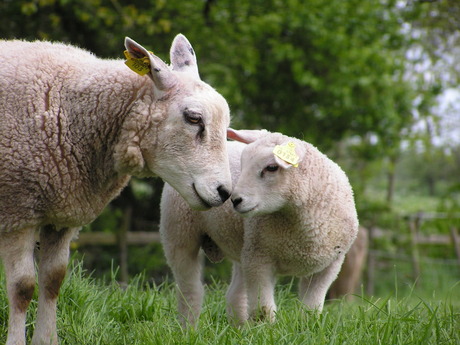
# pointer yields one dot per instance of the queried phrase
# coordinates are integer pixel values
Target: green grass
(95, 312)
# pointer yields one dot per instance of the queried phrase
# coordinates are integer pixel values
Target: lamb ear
(160, 73)
(290, 154)
(246, 136)
(183, 58)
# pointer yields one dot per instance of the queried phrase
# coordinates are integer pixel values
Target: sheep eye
(192, 117)
(269, 168)
(272, 167)
(195, 119)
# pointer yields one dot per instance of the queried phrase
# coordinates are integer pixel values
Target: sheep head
(177, 131)
(265, 184)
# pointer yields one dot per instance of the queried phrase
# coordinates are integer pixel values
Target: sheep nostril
(223, 193)
(237, 201)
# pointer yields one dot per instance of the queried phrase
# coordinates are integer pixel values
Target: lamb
(73, 129)
(299, 219)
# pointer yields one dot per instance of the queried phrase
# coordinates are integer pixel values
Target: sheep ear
(245, 136)
(160, 73)
(183, 58)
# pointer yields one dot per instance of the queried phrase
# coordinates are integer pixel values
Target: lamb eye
(192, 117)
(272, 167)
(269, 168)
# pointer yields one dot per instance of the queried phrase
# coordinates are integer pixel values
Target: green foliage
(98, 25)
(319, 70)
(108, 220)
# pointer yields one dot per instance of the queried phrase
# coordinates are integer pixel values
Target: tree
(318, 69)
(436, 24)
(335, 73)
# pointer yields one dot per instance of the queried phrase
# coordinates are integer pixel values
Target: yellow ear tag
(287, 153)
(141, 66)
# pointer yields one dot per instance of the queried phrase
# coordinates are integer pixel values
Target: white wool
(73, 129)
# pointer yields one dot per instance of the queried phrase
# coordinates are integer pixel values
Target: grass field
(96, 312)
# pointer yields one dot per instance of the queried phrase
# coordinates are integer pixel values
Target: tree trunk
(391, 179)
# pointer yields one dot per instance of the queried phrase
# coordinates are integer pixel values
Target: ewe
(299, 219)
(73, 129)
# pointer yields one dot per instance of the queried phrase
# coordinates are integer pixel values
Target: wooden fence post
(455, 241)
(123, 243)
(371, 260)
(414, 227)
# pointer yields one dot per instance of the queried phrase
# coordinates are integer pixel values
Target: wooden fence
(125, 238)
(415, 238)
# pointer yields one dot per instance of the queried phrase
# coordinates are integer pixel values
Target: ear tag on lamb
(141, 66)
(287, 153)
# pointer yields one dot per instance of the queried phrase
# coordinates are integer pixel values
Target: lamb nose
(237, 201)
(223, 193)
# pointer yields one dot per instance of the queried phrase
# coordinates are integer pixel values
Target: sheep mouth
(246, 212)
(204, 204)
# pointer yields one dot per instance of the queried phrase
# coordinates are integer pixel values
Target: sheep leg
(313, 289)
(237, 301)
(182, 254)
(16, 251)
(260, 285)
(54, 257)
(188, 274)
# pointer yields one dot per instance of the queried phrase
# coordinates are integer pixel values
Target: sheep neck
(91, 116)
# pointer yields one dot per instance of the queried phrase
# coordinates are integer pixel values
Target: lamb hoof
(264, 314)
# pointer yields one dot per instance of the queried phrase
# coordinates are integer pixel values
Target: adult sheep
(73, 129)
(297, 221)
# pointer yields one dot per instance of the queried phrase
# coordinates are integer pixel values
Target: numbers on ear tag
(141, 66)
(287, 153)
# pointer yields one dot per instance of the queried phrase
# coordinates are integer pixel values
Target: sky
(449, 112)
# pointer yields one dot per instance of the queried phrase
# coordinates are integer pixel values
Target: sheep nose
(223, 193)
(237, 201)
